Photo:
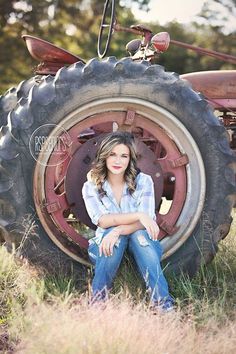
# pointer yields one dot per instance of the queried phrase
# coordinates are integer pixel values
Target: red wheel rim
(58, 185)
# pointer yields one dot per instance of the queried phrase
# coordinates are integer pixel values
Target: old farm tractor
(52, 125)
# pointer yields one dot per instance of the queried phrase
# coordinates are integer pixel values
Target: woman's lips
(117, 167)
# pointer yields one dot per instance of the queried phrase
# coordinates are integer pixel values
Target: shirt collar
(107, 188)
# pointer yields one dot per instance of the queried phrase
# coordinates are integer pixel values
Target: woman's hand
(108, 242)
(150, 225)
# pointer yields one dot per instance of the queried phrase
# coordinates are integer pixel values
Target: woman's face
(118, 160)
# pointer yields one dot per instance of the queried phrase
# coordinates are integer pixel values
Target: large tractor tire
(9, 100)
(180, 142)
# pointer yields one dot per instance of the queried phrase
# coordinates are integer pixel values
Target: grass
(48, 314)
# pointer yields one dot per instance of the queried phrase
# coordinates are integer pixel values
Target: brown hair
(99, 169)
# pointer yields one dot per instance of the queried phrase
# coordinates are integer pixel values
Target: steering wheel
(102, 52)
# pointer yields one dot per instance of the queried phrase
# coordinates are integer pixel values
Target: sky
(167, 10)
(183, 11)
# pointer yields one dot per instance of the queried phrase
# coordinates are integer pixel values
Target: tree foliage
(71, 24)
(217, 13)
(74, 25)
(182, 61)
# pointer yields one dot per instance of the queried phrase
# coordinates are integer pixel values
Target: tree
(218, 13)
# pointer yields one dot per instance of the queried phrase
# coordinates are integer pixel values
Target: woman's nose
(117, 159)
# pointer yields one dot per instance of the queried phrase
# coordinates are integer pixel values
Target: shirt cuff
(97, 216)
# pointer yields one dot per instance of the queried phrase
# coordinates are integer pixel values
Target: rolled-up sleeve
(94, 206)
(146, 202)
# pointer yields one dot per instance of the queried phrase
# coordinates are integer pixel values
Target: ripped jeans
(147, 254)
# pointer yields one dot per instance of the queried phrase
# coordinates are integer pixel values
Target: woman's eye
(122, 156)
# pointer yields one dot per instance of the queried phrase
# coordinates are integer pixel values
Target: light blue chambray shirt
(142, 200)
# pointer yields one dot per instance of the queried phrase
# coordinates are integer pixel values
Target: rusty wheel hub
(57, 185)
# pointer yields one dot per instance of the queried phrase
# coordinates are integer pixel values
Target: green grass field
(44, 314)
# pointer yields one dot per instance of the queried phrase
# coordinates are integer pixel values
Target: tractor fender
(219, 87)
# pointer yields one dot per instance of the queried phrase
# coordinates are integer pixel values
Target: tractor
(53, 123)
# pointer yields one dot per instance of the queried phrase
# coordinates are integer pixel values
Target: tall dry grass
(41, 314)
(119, 328)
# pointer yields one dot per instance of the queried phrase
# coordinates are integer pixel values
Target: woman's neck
(115, 179)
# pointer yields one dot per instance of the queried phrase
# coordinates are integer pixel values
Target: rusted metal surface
(135, 29)
(178, 173)
(76, 246)
(219, 87)
(52, 58)
(211, 53)
(143, 30)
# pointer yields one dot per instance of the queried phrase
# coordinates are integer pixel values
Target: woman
(120, 201)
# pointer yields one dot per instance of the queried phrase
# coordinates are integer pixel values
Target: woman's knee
(140, 237)
(108, 265)
(141, 240)
(94, 253)
(118, 250)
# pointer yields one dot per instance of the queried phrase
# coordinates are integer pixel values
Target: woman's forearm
(125, 230)
(109, 220)
(130, 228)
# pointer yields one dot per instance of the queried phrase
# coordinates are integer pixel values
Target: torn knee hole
(142, 240)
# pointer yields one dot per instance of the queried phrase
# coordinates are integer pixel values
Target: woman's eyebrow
(122, 154)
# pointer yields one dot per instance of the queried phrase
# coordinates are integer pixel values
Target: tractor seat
(51, 57)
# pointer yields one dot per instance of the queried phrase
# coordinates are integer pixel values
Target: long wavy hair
(99, 168)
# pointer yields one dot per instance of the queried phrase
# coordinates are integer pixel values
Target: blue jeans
(147, 254)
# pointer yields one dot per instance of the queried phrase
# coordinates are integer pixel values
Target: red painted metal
(143, 30)
(161, 41)
(211, 53)
(179, 173)
(219, 87)
(135, 29)
(59, 237)
(140, 28)
(52, 58)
